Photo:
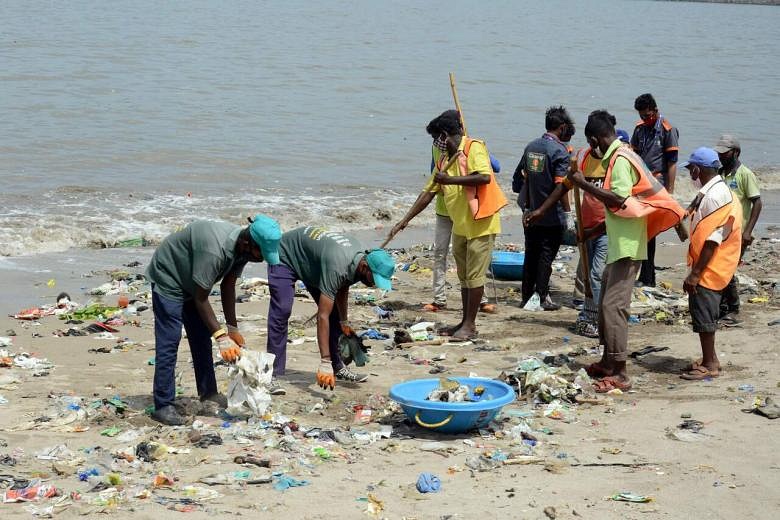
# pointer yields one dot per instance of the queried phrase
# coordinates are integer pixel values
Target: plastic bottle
(123, 301)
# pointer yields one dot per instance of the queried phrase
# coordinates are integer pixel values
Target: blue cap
(382, 267)
(623, 135)
(495, 164)
(266, 234)
(704, 157)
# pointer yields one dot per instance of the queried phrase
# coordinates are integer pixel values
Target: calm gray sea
(127, 119)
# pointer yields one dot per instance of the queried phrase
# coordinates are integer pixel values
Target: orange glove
(236, 336)
(346, 329)
(228, 349)
(325, 377)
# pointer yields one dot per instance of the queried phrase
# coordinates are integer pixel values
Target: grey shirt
(199, 255)
(656, 144)
(322, 259)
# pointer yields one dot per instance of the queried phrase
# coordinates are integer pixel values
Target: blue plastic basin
(451, 417)
(507, 265)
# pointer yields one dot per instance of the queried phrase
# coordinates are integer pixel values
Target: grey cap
(725, 143)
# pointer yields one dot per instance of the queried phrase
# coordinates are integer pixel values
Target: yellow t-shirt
(457, 205)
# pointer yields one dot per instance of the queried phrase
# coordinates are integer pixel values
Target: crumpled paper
(247, 392)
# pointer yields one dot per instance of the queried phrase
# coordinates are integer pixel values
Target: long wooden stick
(581, 244)
(465, 132)
(457, 103)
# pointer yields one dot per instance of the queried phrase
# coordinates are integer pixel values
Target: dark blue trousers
(169, 316)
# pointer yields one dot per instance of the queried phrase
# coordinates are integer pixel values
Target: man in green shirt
(744, 185)
(626, 248)
(183, 271)
(328, 263)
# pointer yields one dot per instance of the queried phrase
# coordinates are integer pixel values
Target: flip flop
(694, 364)
(699, 373)
(647, 350)
(611, 383)
(463, 339)
(596, 370)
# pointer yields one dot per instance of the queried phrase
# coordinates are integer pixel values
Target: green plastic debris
(111, 432)
(321, 452)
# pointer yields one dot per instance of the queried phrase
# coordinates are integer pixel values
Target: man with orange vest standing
(473, 199)
(638, 208)
(713, 254)
(656, 141)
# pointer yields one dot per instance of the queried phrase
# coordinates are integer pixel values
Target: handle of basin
(431, 425)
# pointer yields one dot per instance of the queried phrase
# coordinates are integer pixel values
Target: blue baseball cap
(623, 135)
(382, 267)
(704, 157)
(266, 233)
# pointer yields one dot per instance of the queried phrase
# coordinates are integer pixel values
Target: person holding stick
(638, 208)
(473, 200)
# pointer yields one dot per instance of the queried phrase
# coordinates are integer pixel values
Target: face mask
(697, 182)
(597, 153)
(728, 162)
(440, 144)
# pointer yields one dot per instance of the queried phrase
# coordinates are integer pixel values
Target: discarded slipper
(770, 409)
(611, 383)
(647, 350)
(698, 373)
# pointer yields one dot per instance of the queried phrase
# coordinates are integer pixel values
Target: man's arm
(342, 304)
(609, 198)
(671, 175)
(228, 291)
(692, 280)
(532, 216)
(423, 199)
(205, 311)
(324, 308)
(755, 211)
(472, 179)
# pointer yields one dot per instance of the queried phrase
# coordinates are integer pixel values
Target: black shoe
(217, 398)
(169, 415)
(549, 305)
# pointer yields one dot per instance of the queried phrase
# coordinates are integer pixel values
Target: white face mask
(697, 183)
(598, 153)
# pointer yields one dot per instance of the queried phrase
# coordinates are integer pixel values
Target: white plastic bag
(247, 392)
(534, 303)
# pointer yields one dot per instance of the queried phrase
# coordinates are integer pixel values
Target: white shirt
(715, 195)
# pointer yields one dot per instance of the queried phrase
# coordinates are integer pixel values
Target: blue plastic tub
(451, 417)
(507, 265)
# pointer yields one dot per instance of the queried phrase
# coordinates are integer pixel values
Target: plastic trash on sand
(630, 497)
(247, 392)
(534, 303)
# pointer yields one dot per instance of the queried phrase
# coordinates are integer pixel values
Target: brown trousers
(617, 285)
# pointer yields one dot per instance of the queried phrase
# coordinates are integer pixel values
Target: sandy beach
(617, 443)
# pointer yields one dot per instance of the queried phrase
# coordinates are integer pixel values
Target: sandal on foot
(695, 364)
(699, 373)
(611, 383)
(448, 331)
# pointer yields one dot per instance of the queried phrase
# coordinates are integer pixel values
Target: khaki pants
(617, 285)
(472, 258)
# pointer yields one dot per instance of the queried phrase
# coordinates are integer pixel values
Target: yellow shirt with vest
(461, 201)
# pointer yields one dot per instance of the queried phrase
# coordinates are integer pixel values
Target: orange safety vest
(648, 197)
(484, 200)
(723, 264)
